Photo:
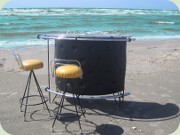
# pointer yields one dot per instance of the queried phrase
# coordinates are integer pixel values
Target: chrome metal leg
(120, 97)
(27, 85)
(123, 96)
(26, 94)
(79, 103)
(77, 113)
(49, 82)
(40, 92)
(55, 96)
(76, 97)
(28, 88)
(59, 108)
(119, 94)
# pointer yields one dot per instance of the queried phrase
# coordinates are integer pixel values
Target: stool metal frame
(26, 94)
(68, 82)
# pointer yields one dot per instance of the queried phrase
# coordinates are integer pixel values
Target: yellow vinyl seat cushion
(69, 71)
(31, 64)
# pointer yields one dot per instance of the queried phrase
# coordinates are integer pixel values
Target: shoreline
(134, 49)
(141, 46)
(134, 41)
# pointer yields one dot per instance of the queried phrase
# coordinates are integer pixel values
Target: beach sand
(152, 78)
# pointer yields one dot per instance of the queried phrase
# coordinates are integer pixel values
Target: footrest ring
(34, 104)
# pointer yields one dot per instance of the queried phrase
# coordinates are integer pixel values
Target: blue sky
(136, 4)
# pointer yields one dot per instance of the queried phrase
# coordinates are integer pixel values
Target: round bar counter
(103, 61)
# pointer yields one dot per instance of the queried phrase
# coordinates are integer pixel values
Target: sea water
(20, 27)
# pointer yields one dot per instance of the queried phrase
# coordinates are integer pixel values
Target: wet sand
(152, 78)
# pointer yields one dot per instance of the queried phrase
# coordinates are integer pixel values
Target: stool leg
(27, 96)
(27, 85)
(55, 95)
(78, 99)
(38, 87)
(77, 114)
(54, 98)
(79, 103)
(74, 99)
(59, 107)
(40, 91)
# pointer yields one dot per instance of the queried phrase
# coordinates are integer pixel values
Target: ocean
(20, 27)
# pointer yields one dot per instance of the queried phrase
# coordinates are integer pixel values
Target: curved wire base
(120, 94)
(34, 104)
(26, 95)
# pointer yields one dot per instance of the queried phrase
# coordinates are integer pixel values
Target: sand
(152, 78)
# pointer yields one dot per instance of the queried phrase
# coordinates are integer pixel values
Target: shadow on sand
(128, 110)
(131, 110)
(109, 129)
(93, 128)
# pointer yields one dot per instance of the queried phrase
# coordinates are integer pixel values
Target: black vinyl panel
(103, 64)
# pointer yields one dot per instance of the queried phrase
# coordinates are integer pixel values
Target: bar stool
(30, 65)
(68, 72)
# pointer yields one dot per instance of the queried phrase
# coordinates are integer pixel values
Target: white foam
(78, 11)
(9, 44)
(163, 22)
(151, 37)
(40, 42)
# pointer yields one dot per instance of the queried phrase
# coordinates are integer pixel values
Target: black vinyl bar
(98, 55)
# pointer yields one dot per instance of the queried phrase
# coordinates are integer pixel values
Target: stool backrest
(67, 61)
(61, 62)
(17, 57)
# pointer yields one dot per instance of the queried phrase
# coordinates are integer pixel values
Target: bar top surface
(87, 37)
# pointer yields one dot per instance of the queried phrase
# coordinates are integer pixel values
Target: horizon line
(88, 8)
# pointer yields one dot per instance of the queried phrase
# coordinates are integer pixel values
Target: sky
(134, 4)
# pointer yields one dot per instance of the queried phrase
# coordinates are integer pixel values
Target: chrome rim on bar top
(87, 37)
